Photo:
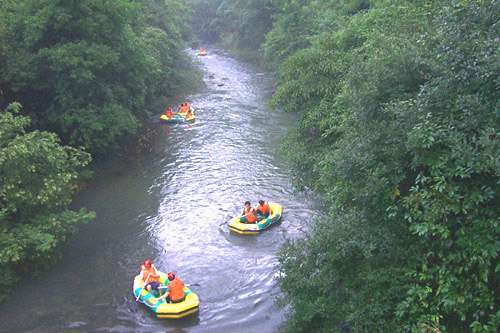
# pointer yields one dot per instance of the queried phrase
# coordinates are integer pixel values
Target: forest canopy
(399, 133)
(91, 70)
(38, 177)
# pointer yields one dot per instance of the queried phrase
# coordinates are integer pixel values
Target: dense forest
(399, 132)
(91, 70)
(88, 74)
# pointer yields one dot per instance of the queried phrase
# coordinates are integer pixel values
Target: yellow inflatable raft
(160, 307)
(255, 228)
(178, 117)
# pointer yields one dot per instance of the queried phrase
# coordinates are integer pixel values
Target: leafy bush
(37, 180)
(399, 133)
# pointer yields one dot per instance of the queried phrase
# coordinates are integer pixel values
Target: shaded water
(172, 206)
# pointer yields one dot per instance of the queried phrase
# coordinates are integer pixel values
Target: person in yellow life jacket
(248, 214)
(150, 275)
(175, 292)
(263, 209)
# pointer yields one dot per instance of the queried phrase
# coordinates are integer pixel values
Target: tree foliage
(236, 24)
(89, 70)
(38, 177)
(273, 28)
(399, 131)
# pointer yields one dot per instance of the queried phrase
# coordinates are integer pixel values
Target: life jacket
(176, 290)
(149, 272)
(247, 210)
(264, 209)
(249, 214)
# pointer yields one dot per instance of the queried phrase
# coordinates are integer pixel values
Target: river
(171, 205)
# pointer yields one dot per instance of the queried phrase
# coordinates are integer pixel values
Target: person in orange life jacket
(184, 107)
(169, 112)
(180, 109)
(150, 275)
(189, 114)
(175, 292)
(263, 209)
(248, 214)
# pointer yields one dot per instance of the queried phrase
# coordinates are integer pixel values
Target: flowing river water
(171, 205)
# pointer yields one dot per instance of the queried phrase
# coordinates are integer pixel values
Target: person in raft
(248, 214)
(262, 210)
(169, 112)
(150, 275)
(175, 292)
(189, 114)
(181, 108)
(184, 107)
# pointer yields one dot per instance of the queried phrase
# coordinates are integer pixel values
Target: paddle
(145, 283)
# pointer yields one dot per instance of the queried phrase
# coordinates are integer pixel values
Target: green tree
(298, 23)
(86, 69)
(38, 177)
(398, 131)
(203, 20)
(240, 25)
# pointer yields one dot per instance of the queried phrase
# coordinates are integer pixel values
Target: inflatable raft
(160, 307)
(255, 228)
(202, 53)
(178, 118)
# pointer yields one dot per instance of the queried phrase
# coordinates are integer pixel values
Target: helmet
(171, 276)
(147, 263)
(261, 202)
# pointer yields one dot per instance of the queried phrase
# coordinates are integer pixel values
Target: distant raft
(255, 228)
(202, 53)
(178, 118)
(160, 307)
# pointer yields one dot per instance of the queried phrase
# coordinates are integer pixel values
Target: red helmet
(171, 276)
(147, 263)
